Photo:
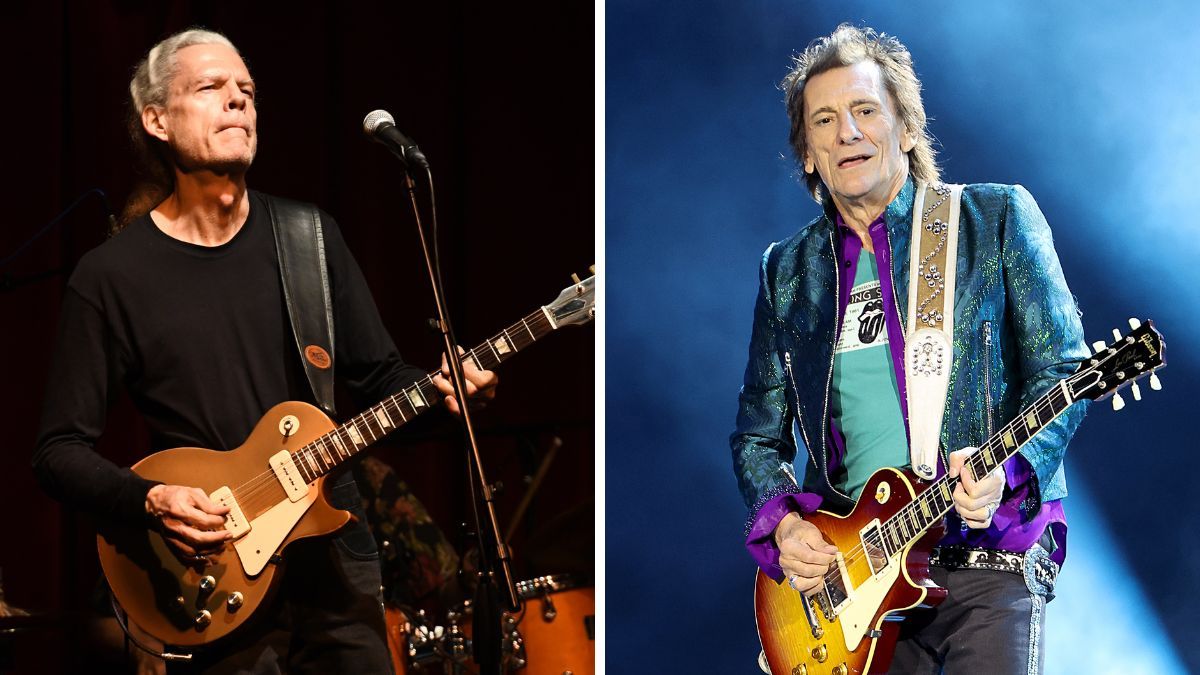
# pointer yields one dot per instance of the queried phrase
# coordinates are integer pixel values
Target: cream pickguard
(268, 531)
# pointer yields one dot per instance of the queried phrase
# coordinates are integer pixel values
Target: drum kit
(553, 634)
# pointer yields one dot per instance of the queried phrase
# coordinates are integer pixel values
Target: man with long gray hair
(185, 307)
(898, 329)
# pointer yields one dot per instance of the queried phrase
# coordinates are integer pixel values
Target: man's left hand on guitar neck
(975, 500)
(481, 384)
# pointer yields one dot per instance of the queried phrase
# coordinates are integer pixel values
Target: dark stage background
(1091, 105)
(500, 98)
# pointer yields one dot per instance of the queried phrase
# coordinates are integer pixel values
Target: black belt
(1035, 565)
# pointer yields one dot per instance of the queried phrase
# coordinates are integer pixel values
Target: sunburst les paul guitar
(274, 486)
(851, 624)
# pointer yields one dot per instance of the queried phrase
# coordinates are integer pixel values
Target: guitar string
(255, 493)
(391, 403)
(858, 553)
(253, 487)
(251, 491)
(311, 454)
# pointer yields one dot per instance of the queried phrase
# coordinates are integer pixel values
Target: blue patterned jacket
(1016, 333)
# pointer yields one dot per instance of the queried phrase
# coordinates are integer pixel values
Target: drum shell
(567, 641)
(556, 626)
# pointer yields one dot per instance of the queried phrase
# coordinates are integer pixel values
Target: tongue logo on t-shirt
(870, 321)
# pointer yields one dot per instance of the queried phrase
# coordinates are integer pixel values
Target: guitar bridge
(814, 626)
(822, 602)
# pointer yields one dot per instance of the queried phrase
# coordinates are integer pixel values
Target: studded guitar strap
(929, 345)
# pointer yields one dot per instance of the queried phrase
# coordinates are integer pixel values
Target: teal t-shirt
(865, 402)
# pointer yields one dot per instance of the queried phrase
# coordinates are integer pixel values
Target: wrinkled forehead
(213, 61)
(861, 81)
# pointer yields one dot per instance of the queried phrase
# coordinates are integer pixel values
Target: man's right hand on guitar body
(191, 523)
(804, 555)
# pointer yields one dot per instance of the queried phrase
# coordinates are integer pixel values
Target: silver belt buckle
(1040, 571)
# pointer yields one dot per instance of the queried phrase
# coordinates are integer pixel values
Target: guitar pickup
(873, 546)
(288, 474)
(235, 520)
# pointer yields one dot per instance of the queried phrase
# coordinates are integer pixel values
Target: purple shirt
(1007, 532)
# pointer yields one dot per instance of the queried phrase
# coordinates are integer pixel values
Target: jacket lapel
(898, 219)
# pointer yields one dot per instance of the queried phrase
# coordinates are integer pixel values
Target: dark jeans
(989, 623)
(327, 616)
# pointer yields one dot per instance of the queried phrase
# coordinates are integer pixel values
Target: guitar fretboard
(327, 452)
(935, 502)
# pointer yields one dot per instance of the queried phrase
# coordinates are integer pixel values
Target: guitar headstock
(576, 304)
(1131, 357)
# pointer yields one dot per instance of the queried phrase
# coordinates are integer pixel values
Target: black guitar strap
(300, 245)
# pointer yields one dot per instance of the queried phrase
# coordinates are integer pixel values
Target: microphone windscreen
(375, 119)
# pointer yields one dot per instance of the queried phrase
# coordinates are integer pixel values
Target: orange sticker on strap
(318, 357)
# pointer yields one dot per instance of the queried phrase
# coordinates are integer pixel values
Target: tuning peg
(1118, 402)
(1134, 323)
(592, 269)
(1155, 383)
(1137, 392)
(1099, 346)
(1116, 335)
(575, 277)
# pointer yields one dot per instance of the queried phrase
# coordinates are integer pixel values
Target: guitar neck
(329, 451)
(929, 507)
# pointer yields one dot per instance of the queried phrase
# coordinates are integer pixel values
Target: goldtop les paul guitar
(274, 486)
(850, 626)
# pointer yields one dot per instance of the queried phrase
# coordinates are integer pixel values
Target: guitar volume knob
(203, 618)
(207, 584)
(820, 653)
(234, 603)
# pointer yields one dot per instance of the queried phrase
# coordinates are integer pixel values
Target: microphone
(381, 127)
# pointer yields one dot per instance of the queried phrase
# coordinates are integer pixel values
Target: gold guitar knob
(234, 602)
(202, 619)
(801, 669)
(820, 653)
(840, 669)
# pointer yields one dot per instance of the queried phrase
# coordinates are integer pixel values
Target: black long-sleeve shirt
(200, 337)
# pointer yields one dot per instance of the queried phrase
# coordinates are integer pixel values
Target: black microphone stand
(494, 566)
